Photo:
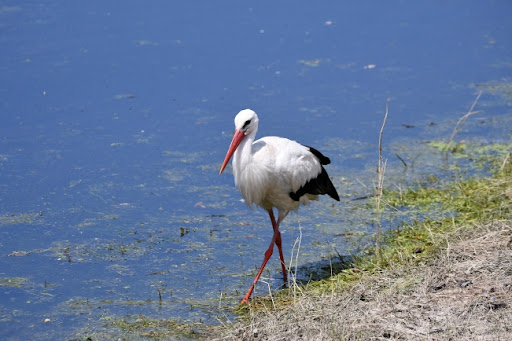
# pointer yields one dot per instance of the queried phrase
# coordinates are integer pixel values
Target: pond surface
(116, 116)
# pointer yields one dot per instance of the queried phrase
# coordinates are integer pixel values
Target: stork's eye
(246, 124)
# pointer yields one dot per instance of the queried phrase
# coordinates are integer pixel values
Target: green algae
(13, 282)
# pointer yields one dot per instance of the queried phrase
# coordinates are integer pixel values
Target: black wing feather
(324, 160)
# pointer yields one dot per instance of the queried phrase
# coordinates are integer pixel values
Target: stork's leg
(276, 239)
(268, 254)
(275, 226)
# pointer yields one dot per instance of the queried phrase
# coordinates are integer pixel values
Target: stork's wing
(297, 166)
(320, 184)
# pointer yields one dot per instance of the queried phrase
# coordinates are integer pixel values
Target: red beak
(235, 142)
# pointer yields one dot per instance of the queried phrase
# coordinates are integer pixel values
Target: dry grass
(463, 293)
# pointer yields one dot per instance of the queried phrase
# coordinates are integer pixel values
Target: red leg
(276, 239)
(275, 226)
(268, 254)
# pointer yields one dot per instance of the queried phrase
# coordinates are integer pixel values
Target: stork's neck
(243, 154)
(248, 174)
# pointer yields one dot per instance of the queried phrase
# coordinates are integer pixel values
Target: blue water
(115, 117)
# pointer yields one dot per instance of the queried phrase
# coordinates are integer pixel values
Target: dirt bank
(464, 292)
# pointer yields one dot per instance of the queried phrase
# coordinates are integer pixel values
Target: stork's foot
(248, 295)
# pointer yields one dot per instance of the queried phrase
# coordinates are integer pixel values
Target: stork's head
(246, 122)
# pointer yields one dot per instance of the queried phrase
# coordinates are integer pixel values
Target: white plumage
(275, 167)
(275, 172)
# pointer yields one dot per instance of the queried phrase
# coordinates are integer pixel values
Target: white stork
(275, 172)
